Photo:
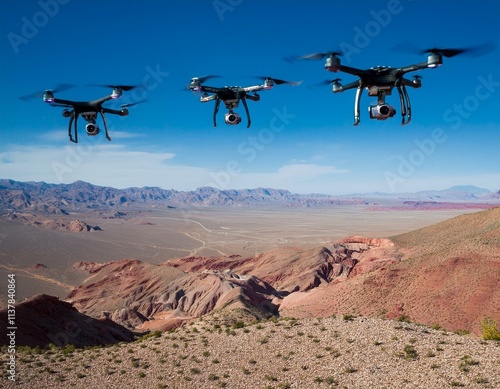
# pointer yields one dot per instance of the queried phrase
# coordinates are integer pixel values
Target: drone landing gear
(73, 118)
(359, 92)
(216, 109)
(246, 110)
(91, 127)
(404, 99)
(232, 117)
(105, 126)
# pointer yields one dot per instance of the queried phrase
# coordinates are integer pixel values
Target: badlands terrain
(295, 292)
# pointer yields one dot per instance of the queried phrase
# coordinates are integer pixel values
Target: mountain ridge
(81, 195)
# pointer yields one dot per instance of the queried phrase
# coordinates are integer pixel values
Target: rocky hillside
(44, 320)
(333, 352)
(446, 274)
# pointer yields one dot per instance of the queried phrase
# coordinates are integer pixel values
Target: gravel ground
(286, 353)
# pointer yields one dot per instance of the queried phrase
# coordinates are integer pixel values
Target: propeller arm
(351, 85)
(411, 83)
(254, 88)
(414, 67)
(122, 112)
(350, 70)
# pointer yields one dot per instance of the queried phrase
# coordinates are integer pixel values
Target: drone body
(88, 110)
(379, 81)
(232, 95)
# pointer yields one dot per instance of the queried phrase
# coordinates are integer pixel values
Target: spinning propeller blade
(125, 88)
(57, 89)
(132, 104)
(313, 56)
(277, 81)
(446, 52)
(326, 82)
(207, 77)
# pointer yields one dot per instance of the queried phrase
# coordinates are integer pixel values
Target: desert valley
(251, 288)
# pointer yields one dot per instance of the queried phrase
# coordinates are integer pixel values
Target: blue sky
(301, 138)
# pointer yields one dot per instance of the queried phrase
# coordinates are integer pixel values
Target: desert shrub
(490, 331)
(465, 362)
(409, 352)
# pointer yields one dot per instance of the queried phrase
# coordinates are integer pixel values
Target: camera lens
(384, 110)
(231, 118)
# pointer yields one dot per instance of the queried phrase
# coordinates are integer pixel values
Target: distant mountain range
(455, 193)
(80, 195)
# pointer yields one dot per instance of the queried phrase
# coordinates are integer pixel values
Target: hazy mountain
(80, 195)
(458, 193)
(56, 198)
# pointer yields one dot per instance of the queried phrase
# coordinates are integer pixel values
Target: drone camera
(381, 111)
(92, 129)
(232, 118)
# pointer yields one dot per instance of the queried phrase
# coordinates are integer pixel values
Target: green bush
(490, 331)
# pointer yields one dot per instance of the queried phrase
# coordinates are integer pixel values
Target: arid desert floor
(156, 236)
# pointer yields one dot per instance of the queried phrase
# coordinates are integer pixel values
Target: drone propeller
(57, 89)
(277, 81)
(446, 52)
(474, 51)
(132, 104)
(325, 82)
(201, 80)
(335, 80)
(125, 88)
(313, 56)
(205, 78)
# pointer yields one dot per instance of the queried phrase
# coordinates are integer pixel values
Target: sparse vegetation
(465, 362)
(348, 317)
(490, 330)
(409, 352)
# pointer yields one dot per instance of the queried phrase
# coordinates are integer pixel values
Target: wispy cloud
(308, 170)
(112, 164)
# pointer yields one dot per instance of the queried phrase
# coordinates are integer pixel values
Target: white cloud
(308, 170)
(109, 165)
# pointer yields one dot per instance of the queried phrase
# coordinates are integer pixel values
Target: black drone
(380, 80)
(86, 109)
(231, 96)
